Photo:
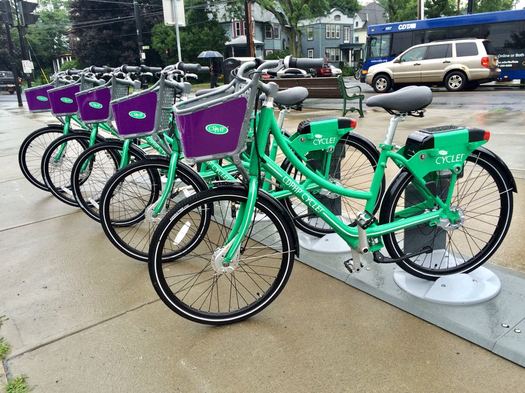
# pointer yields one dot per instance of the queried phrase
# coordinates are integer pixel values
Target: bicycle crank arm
(380, 258)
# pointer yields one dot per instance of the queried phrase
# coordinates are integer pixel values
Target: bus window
(489, 48)
(401, 42)
(380, 46)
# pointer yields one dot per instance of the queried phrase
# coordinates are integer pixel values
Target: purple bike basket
(63, 100)
(135, 115)
(212, 131)
(37, 99)
(94, 104)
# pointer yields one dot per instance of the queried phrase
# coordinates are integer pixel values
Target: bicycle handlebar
(189, 67)
(73, 72)
(151, 69)
(99, 70)
(128, 69)
(302, 62)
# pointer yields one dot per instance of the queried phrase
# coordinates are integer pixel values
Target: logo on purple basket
(216, 129)
(42, 98)
(66, 100)
(95, 105)
(137, 115)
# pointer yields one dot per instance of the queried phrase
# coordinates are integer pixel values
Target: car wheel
(382, 83)
(456, 81)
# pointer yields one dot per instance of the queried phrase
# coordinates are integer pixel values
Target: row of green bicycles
(212, 192)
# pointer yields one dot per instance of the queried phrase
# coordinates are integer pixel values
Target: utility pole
(248, 27)
(138, 23)
(470, 7)
(420, 9)
(177, 31)
(22, 36)
(13, 66)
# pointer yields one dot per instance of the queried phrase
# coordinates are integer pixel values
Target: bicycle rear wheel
(93, 169)
(127, 201)
(194, 285)
(483, 201)
(353, 168)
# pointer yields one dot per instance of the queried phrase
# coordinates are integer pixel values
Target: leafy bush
(68, 65)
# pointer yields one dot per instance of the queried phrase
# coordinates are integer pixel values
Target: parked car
(292, 73)
(335, 71)
(457, 64)
(7, 82)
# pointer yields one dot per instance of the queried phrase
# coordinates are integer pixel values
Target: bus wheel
(456, 81)
(382, 83)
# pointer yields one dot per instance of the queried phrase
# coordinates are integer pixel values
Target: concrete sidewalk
(84, 318)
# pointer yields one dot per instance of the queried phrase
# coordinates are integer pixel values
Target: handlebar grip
(188, 67)
(127, 68)
(303, 62)
(73, 72)
(151, 69)
(100, 70)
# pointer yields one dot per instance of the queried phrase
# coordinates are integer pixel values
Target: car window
(438, 51)
(414, 54)
(466, 49)
(489, 48)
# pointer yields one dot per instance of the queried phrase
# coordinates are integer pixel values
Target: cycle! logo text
(137, 115)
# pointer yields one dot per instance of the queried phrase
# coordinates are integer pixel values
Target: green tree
(493, 5)
(290, 12)
(103, 32)
(349, 7)
(437, 8)
(48, 37)
(399, 10)
(202, 32)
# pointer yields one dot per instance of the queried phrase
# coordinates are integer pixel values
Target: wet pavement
(84, 318)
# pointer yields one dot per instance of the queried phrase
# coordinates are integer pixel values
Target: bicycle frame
(419, 166)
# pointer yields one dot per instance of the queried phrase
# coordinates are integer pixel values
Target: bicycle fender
(489, 155)
(276, 206)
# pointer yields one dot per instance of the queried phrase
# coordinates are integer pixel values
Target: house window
(237, 28)
(276, 33)
(346, 34)
(310, 33)
(337, 18)
(337, 31)
(356, 23)
(333, 54)
(333, 32)
(268, 32)
(310, 53)
(328, 31)
(356, 39)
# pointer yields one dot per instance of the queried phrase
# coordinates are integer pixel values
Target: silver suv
(458, 64)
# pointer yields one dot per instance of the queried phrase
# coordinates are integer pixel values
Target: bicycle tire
(40, 139)
(267, 274)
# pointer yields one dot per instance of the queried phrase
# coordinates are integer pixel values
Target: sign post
(174, 16)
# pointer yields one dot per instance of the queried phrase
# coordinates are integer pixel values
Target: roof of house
(373, 13)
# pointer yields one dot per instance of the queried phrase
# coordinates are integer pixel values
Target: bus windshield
(379, 46)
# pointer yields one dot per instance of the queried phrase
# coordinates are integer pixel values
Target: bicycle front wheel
(128, 199)
(196, 286)
(57, 164)
(32, 150)
(483, 202)
(93, 169)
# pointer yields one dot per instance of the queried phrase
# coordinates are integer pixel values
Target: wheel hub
(456, 223)
(150, 216)
(217, 260)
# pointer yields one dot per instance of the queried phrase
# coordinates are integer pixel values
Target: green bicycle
(235, 245)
